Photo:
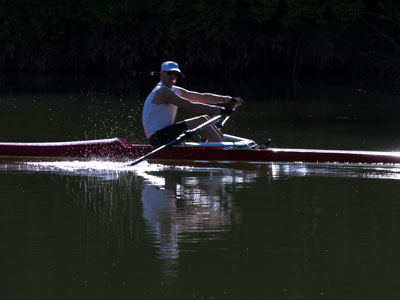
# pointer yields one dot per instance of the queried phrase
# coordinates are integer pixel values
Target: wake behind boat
(237, 150)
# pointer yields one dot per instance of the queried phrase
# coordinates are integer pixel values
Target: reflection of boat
(239, 151)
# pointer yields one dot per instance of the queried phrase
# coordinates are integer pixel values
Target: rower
(161, 106)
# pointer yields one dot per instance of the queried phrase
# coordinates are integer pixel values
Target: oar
(231, 105)
(185, 135)
(221, 123)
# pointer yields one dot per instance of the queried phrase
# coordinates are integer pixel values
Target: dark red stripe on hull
(120, 149)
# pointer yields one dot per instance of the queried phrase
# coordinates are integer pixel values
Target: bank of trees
(294, 36)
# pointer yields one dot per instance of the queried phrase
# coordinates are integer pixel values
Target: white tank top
(158, 116)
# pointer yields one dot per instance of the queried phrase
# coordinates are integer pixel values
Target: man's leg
(211, 133)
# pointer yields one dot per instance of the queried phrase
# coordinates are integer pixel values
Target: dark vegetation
(354, 38)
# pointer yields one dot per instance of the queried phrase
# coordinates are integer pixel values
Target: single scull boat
(237, 150)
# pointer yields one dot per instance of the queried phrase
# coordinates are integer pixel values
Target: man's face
(169, 77)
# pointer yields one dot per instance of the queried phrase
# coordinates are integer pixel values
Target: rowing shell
(119, 149)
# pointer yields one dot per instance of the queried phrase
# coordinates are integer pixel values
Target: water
(102, 230)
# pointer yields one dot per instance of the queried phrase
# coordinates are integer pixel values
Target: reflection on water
(274, 231)
(235, 174)
(279, 171)
(177, 206)
(177, 202)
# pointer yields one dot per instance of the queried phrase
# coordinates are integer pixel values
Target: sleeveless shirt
(158, 116)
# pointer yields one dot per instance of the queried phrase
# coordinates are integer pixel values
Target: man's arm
(210, 98)
(165, 95)
(204, 97)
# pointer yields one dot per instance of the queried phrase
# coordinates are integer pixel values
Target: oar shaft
(205, 124)
(181, 137)
(233, 105)
(224, 121)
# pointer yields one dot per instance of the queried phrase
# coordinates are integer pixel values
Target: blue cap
(171, 66)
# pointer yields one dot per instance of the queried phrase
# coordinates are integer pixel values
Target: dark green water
(95, 230)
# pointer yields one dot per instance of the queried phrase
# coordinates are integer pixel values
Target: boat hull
(119, 149)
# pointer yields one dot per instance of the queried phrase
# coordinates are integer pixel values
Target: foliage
(319, 10)
(49, 19)
(263, 10)
(84, 35)
(383, 55)
(298, 10)
(205, 17)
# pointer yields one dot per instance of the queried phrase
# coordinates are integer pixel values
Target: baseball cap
(168, 66)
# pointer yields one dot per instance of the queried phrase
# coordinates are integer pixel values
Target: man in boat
(161, 106)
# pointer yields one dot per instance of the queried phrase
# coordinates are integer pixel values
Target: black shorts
(167, 134)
